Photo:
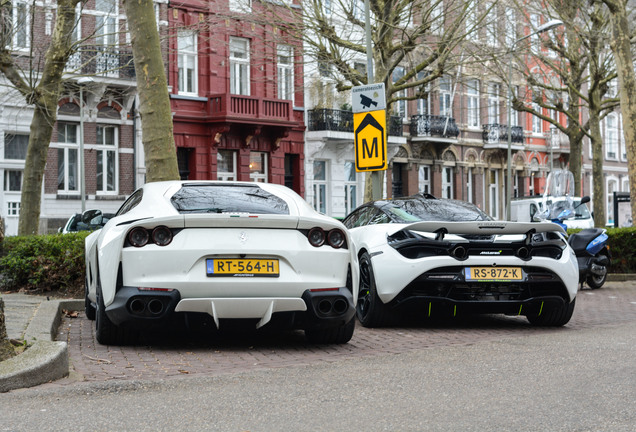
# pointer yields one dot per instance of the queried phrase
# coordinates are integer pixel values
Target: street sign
(368, 98)
(369, 130)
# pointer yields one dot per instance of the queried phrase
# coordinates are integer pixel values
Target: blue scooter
(590, 247)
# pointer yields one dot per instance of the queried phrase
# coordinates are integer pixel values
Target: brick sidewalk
(214, 355)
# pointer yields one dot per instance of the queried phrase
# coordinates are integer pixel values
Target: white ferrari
(227, 250)
(436, 268)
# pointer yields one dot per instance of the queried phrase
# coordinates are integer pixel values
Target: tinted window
(358, 217)
(131, 202)
(215, 198)
(442, 210)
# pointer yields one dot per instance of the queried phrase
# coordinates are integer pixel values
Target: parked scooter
(589, 245)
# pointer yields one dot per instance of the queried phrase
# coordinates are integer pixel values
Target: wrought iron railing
(498, 133)
(102, 60)
(324, 119)
(433, 126)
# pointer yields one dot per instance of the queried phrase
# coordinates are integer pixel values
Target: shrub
(44, 263)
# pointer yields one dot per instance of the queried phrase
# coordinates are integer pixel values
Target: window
(320, 186)
(491, 25)
(226, 165)
(612, 88)
(327, 7)
(187, 62)
(107, 143)
(240, 5)
(423, 103)
(12, 180)
(494, 90)
(621, 138)
(493, 194)
(612, 186)
(537, 123)
(611, 136)
(258, 167)
(445, 96)
(351, 187)
(473, 103)
(239, 66)
(106, 34)
(514, 114)
(15, 146)
(447, 182)
(472, 19)
(13, 208)
(469, 185)
(285, 72)
(437, 17)
(424, 179)
(511, 28)
(535, 22)
(15, 24)
(400, 105)
(67, 157)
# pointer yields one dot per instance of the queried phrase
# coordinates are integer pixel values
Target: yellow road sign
(369, 129)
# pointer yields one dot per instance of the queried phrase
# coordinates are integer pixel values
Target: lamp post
(82, 82)
(545, 27)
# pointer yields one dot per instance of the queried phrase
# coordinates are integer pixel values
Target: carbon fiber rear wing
(441, 228)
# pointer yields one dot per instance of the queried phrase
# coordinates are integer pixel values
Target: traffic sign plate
(368, 98)
(369, 130)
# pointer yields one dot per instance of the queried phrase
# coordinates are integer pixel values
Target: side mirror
(584, 200)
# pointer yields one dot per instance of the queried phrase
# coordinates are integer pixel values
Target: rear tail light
(138, 237)
(336, 238)
(317, 237)
(162, 236)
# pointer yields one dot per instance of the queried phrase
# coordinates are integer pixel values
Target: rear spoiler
(441, 228)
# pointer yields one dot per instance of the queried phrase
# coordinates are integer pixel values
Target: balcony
(495, 136)
(424, 125)
(102, 61)
(323, 119)
(250, 109)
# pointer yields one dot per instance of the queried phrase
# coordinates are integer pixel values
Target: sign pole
(376, 176)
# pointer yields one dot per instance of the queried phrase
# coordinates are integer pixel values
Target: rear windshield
(216, 198)
(442, 210)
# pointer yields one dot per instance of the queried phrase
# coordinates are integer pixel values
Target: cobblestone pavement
(217, 354)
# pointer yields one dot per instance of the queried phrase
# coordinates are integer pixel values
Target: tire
(554, 316)
(595, 282)
(89, 309)
(332, 335)
(370, 310)
(106, 332)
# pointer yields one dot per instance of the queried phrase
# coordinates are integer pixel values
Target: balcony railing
(497, 133)
(323, 119)
(101, 60)
(250, 107)
(433, 126)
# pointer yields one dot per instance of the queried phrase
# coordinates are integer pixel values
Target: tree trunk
(627, 84)
(45, 97)
(152, 86)
(597, 167)
(6, 349)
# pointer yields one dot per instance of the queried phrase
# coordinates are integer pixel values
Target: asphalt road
(483, 378)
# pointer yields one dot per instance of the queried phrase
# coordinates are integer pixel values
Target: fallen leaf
(70, 314)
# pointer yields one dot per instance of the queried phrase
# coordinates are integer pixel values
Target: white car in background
(227, 250)
(429, 257)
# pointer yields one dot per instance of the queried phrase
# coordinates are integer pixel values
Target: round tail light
(138, 237)
(162, 236)
(316, 237)
(336, 238)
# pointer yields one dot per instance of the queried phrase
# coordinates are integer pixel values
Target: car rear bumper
(315, 309)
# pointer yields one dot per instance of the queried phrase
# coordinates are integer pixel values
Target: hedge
(44, 263)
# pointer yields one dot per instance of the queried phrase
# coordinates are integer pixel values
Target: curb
(45, 360)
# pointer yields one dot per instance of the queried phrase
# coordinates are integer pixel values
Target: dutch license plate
(504, 274)
(241, 267)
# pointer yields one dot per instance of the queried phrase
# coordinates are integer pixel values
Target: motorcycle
(589, 245)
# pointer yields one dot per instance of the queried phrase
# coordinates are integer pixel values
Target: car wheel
(89, 309)
(106, 332)
(555, 316)
(370, 310)
(332, 335)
